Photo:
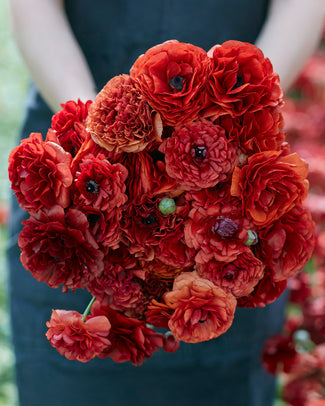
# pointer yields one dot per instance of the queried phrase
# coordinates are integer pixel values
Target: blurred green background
(13, 85)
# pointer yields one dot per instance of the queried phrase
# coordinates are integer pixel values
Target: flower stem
(88, 308)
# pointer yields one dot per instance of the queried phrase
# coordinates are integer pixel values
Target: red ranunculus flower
(172, 77)
(202, 311)
(158, 314)
(199, 155)
(287, 244)
(76, 339)
(270, 185)
(242, 79)
(58, 248)
(69, 125)
(131, 339)
(218, 232)
(279, 354)
(120, 119)
(300, 392)
(147, 175)
(118, 288)
(40, 174)
(100, 184)
(144, 226)
(265, 292)
(238, 277)
(256, 132)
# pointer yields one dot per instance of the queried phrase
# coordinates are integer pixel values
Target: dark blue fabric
(222, 372)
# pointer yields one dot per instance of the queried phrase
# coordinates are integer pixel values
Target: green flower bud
(167, 206)
(252, 238)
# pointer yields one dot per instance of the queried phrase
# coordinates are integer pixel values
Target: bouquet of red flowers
(172, 198)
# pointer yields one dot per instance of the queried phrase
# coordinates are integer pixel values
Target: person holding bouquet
(72, 49)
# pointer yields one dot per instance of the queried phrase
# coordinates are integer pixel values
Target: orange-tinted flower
(199, 155)
(270, 185)
(242, 79)
(120, 118)
(76, 339)
(172, 78)
(202, 311)
(40, 175)
(238, 277)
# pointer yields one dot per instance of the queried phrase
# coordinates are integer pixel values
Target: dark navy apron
(225, 371)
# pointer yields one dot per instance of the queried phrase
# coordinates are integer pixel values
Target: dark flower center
(93, 218)
(225, 227)
(229, 272)
(149, 220)
(200, 152)
(239, 82)
(92, 187)
(176, 82)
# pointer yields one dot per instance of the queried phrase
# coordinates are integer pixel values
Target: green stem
(88, 309)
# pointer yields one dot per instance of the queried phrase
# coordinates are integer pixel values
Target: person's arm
(51, 52)
(290, 35)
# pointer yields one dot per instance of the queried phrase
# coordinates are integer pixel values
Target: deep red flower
(40, 173)
(202, 311)
(218, 232)
(265, 292)
(131, 339)
(69, 125)
(118, 288)
(255, 132)
(287, 244)
(279, 354)
(58, 248)
(144, 226)
(270, 185)
(242, 79)
(170, 342)
(100, 184)
(120, 118)
(76, 339)
(238, 277)
(199, 155)
(172, 77)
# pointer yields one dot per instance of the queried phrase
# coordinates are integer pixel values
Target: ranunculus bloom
(76, 339)
(287, 244)
(69, 125)
(299, 392)
(40, 173)
(238, 277)
(202, 311)
(199, 155)
(58, 248)
(117, 287)
(256, 132)
(265, 292)
(144, 226)
(279, 354)
(270, 185)
(120, 119)
(172, 77)
(218, 232)
(100, 184)
(131, 339)
(242, 79)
